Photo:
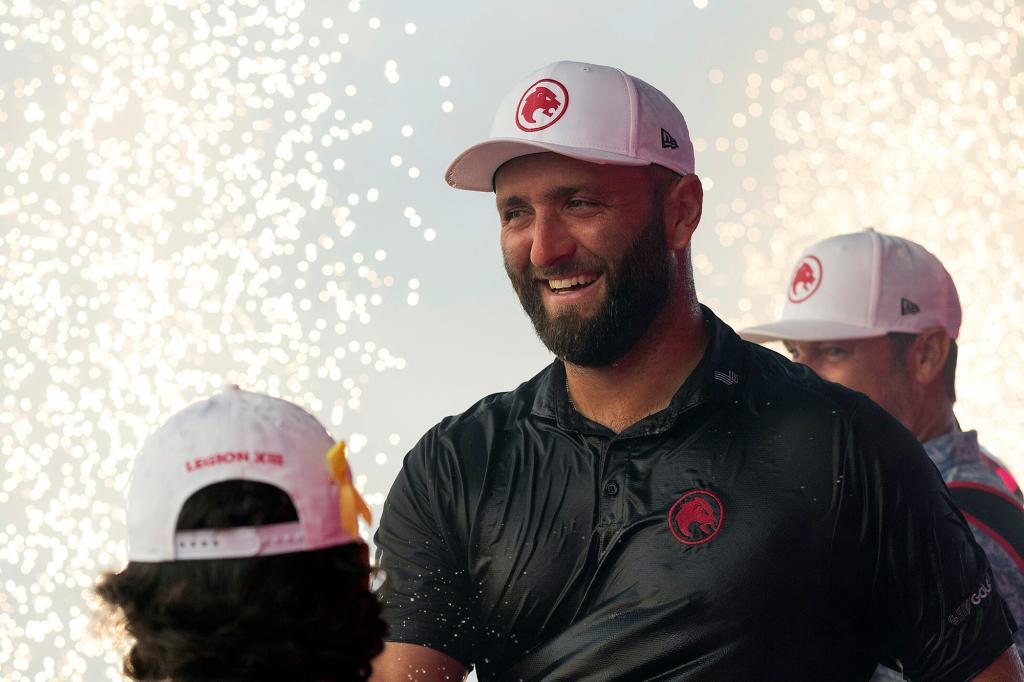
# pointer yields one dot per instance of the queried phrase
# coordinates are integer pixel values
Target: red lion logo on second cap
(807, 277)
(541, 99)
(696, 517)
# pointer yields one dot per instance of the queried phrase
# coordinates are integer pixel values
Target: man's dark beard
(637, 288)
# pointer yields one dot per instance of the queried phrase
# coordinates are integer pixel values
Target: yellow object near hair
(351, 505)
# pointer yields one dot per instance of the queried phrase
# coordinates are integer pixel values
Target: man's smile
(563, 286)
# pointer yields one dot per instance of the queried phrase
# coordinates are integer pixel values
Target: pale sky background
(150, 254)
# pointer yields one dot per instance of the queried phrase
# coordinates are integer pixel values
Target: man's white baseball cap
(863, 285)
(585, 111)
(235, 436)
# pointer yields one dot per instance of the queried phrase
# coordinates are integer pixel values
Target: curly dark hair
(306, 616)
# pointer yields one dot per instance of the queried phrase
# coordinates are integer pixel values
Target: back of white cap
(586, 111)
(234, 436)
(863, 285)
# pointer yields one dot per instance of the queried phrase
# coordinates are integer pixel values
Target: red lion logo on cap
(807, 277)
(541, 99)
(696, 517)
(547, 96)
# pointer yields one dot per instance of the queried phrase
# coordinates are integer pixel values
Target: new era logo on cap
(667, 141)
(908, 307)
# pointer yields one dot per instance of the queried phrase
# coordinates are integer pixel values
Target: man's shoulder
(777, 379)
(961, 459)
(785, 404)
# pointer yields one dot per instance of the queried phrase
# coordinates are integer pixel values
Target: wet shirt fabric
(766, 525)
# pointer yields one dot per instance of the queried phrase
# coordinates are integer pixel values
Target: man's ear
(927, 355)
(684, 199)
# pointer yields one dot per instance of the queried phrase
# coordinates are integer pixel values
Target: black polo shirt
(766, 525)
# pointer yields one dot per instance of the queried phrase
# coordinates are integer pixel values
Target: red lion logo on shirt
(541, 99)
(696, 517)
(699, 512)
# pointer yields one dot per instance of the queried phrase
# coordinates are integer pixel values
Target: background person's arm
(414, 663)
(1006, 668)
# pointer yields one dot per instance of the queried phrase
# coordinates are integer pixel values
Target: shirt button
(611, 489)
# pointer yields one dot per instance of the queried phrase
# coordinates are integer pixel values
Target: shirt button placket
(610, 490)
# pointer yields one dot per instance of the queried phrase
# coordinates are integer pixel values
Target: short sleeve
(906, 563)
(424, 593)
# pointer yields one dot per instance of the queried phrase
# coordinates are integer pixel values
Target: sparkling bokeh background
(200, 193)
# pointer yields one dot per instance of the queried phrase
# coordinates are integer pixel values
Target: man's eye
(833, 351)
(579, 203)
(512, 214)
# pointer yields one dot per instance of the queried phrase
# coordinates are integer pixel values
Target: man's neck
(938, 423)
(926, 411)
(644, 380)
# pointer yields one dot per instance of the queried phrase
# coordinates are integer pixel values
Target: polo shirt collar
(716, 377)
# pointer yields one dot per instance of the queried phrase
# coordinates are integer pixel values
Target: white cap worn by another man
(585, 111)
(863, 285)
(241, 436)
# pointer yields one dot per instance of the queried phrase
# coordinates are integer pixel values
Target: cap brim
(807, 330)
(474, 168)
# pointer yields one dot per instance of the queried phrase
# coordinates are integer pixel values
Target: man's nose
(551, 239)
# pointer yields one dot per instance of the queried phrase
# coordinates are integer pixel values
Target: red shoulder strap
(995, 513)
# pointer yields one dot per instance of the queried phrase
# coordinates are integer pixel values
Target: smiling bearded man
(637, 291)
(664, 501)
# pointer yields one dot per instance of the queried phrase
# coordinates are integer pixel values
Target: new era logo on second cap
(667, 141)
(908, 307)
